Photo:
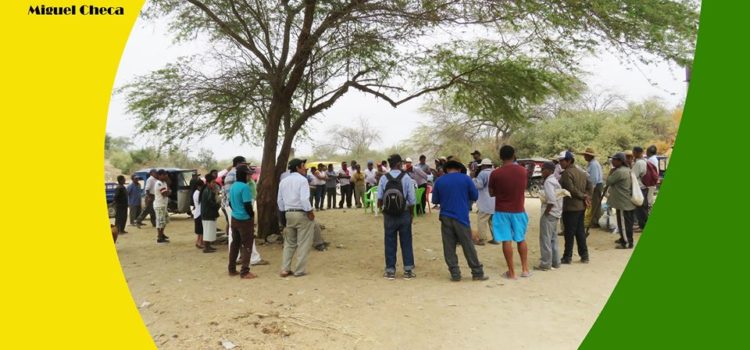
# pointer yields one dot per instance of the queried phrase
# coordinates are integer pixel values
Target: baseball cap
(408, 160)
(619, 156)
(567, 155)
(294, 163)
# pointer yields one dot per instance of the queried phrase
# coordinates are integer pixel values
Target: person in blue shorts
(508, 185)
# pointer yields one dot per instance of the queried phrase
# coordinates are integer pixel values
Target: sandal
(506, 275)
(285, 274)
(526, 274)
(198, 246)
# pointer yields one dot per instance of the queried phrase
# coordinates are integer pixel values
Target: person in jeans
(454, 192)
(134, 198)
(620, 186)
(300, 219)
(344, 177)
(149, 201)
(508, 185)
(331, 181)
(551, 212)
(318, 184)
(640, 167)
(241, 203)
(577, 183)
(398, 226)
(485, 203)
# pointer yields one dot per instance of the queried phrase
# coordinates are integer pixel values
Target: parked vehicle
(179, 183)
(109, 189)
(535, 183)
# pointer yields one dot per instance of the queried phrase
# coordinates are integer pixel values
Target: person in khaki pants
(485, 204)
(293, 200)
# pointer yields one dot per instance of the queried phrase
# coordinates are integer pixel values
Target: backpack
(394, 202)
(651, 178)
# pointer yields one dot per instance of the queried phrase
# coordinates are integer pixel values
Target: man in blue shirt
(398, 224)
(134, 199)
(241, 203)
(454, 192)
(594, 171)
(486, 203)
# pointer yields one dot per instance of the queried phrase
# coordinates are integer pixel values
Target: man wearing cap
(552, 206)
(509, 222)
(292, 199)
(640, 167)
(595, 177)
(398, 226)
(485, 203)
(134, 199)
(420, 177)
(229, 178)
(620, 188)
(149, 201)
(346, 187)
(455, 192)
(474, 165)
(577, 183)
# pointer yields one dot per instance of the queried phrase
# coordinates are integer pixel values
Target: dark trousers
(626, 231)
(320, 190)
(641, 213)
(135, 211)
(242, 244)
(574, 229)
(455, 233)
(346, 194)
(596, 205)
(148, 210)
(121, 217)
(398, 227)
(421, 208)
(331, 195)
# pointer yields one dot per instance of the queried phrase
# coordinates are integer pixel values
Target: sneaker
(623, 246)
(565, 261)
(409, 275)
(389, 275)
(480, 278)
(162, 240)
(455, 278)
(620, 241)
(585, 261)
(542, 268)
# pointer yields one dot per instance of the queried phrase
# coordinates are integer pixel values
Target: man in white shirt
(551, 212)
(148, 187)
(293, 200)
(485, 203)
(161, 200)
(344, 177)
(370, 175)
(639, 169)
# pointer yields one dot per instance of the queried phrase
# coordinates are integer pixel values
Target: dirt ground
(188, 301)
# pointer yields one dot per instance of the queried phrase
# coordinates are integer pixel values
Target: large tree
(275, 64)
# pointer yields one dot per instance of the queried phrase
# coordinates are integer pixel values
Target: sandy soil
(187, 301)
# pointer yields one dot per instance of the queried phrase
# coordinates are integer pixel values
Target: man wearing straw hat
(595, 177)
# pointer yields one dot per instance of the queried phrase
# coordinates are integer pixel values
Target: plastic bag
(637, 196)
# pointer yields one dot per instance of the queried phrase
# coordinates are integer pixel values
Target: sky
(150, 47)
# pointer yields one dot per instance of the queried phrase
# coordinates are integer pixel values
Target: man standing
(508, 185)
(620, 188)
(486, 203)
(551, 212)
(640, 167)
(455, 192)
(577, 183)
(229, 179)
(423, 164)
(396, 199)
(134, 199)
(358, 184)
(420, 177)
(150, 197)
(300, 218)
(346, 186)
(653, 159)
(161, 193)
(370, 176)
(121, 205)
(595, 177)
(474, 165)
(241, 203)
(331, 181)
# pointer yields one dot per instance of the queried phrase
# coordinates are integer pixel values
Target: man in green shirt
(620, 187)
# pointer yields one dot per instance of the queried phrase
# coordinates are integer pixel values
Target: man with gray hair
(551, 211)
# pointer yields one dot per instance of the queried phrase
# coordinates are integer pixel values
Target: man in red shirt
(508, 185)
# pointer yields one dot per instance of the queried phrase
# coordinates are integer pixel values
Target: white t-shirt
(159, 188)
(149, 186)
(370, 176)
(197, 203)
(343, 181)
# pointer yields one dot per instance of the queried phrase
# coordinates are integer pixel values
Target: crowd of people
(572, 197)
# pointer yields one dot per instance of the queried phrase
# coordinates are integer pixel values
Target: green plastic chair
(370, 199)
(420, 191)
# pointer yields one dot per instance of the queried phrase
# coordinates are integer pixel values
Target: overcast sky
(150, 47)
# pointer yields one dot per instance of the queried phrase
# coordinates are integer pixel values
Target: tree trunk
(268, 185)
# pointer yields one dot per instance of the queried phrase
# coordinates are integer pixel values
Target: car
(109, 190)
(535, 181)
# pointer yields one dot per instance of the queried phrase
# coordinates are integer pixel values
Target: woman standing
(209, 212)
(197, 186)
